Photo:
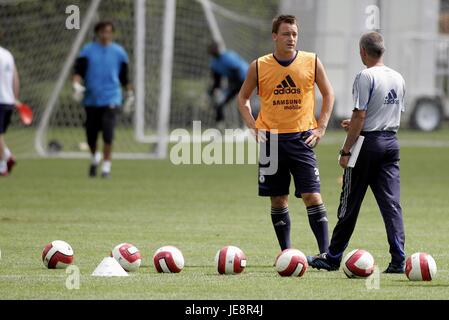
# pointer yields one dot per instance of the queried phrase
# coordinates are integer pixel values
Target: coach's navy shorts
(295, 158)
(5, 117)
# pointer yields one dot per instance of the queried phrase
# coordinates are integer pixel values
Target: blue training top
(103, 87)
(227, 63)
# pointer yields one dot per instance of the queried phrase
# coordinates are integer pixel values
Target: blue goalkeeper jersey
(229, 64)
(103, 87)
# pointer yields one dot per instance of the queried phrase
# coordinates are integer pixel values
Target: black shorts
(5, 118)
(295, 158)
(100, 119)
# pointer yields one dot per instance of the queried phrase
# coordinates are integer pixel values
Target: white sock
(6, 153)
(3, 166)
(106, 166)
(96, 158)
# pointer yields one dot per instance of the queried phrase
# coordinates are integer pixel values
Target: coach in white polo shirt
(9, 92)
(379, 94)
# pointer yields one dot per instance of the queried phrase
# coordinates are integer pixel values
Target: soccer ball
(57, 254)
(420, 266)
(230, 260)
(128, 256)
(358, 264)
(291, 262)
(168, 259)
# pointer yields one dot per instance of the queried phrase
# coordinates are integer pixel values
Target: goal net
(166, 41)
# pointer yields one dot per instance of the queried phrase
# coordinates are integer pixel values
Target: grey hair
(373, 43)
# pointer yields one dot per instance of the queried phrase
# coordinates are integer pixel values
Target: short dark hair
(373, 43)
(103, 24)
(283, 19)
(213, 48)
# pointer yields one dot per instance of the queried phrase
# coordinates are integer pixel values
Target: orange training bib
(287, 94)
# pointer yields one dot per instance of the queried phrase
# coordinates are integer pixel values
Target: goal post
(133, 131)
(65, 72)
(167, 43)
(162, 134)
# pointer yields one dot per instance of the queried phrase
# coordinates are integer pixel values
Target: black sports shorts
(5, 117)
(295, 158)
(100, 119)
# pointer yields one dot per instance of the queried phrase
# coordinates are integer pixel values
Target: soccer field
(199, 209)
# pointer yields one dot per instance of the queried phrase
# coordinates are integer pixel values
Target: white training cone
(109, 267)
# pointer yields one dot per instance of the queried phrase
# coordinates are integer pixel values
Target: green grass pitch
(199, 209)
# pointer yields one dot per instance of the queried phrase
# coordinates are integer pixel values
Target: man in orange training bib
(285, 82)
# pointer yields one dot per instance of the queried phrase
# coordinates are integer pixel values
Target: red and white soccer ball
(168, 259)
(291, 263)
(230, 260)
(57, 254)
(128, 256)
(420, 266)
(358, 264)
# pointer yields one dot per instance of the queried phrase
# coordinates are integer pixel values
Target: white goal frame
(161, 137)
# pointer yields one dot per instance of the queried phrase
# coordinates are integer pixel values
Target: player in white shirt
(9, 93)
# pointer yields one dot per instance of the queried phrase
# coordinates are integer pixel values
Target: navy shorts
(5, 118)
(295, 158)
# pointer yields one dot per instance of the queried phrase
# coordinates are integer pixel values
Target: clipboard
(355, 150)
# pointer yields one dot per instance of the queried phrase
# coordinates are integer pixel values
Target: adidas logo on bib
(287, 86)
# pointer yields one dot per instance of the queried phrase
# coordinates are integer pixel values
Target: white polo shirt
(380, 91)
(6, 77)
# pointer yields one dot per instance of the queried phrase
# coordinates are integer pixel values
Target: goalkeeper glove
(129, 102)
(78, 91)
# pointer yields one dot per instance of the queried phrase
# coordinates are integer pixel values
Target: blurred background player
(285, 82)
(378, 94)
(9, 93)
(230, 65)
(100, 71)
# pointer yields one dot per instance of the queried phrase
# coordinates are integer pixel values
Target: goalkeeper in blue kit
(99, 73)
(225, 64)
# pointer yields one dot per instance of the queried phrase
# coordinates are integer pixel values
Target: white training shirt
(380, 91)
(6, 77)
